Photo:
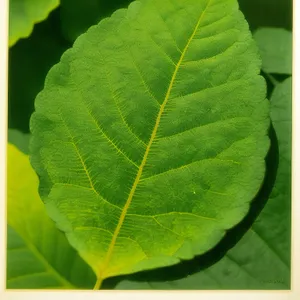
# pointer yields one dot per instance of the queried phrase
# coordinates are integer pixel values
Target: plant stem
(98, 284)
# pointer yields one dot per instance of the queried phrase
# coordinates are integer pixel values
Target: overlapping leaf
(29, 63)
(24, 14)
(275, 46)
(150, 135)
(38, 254)
(262, 258)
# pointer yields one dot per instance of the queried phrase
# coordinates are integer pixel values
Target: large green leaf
(24, 14)
(276, 48)
(38, 254)
(261, 259)
(150, 135)
(77, 15)
(29, 62)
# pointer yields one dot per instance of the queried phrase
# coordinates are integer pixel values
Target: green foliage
(275, 46)
(137, 139)
(180, 97)
(24, 14)
(19, 139)
(69, 21)
(261, 259)
(38, 254)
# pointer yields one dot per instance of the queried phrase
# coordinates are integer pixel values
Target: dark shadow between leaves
(232, 237)
(30, 60)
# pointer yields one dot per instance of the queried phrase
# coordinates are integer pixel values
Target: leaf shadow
(232, 237)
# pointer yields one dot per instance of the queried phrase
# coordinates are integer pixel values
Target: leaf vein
(118, 107)
(101, 274)
(271, 248)
(155, 43)
(197, 127)
(40, 257)
(212, 87)
(241, 267)
(27, 275)
(98, 126)
(142, 77)
(91, 189)
(164, 227)
(188, 165)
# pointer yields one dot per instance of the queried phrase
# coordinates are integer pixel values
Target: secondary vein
(101, 275)
(42, 259)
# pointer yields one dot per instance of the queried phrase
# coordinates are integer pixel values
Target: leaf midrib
(101, 276)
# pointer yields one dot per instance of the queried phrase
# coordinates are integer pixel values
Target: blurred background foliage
(268, 13)
(30, 59)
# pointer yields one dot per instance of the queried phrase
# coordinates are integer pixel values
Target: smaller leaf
(275, 46)
(24, 14)
(38, 254)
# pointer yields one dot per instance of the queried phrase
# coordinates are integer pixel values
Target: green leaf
(19, 139)
(262, 258)
(38, 254)
(24, 14)
(275, 46)
(29, 62)
(77, 15)
(150, 135)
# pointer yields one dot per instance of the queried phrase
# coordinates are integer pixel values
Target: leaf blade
(262, 258)
(32, 258)
(119, 147)
(275, 46)
(23, 16)
(152, 138)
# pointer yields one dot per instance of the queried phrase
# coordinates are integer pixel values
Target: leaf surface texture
(38, 254)
(262, 258)
(150, 135)
(276, 49)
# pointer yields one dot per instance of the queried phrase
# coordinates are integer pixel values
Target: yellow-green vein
(45, 263)
(101, 275)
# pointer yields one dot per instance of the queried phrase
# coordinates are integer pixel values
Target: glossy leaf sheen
(150, 135)
(38, 254)
(262, 258)
(24, 14)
